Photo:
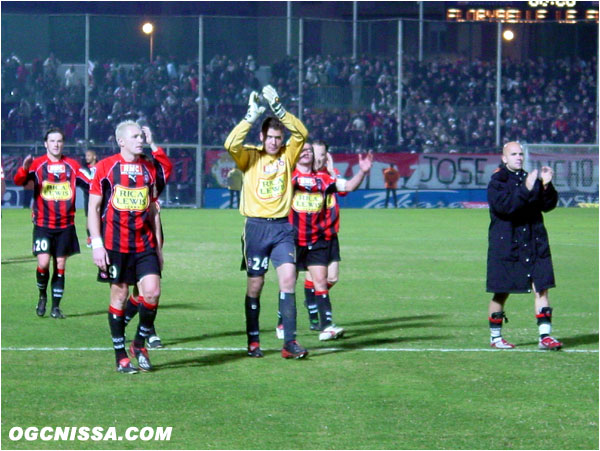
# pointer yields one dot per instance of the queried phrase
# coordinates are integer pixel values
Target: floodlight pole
(288, 47)
(300, 66)
(354, 29)
(399, 96)
(498, 82)
(199, 152)
(420, 31)
(86, 82)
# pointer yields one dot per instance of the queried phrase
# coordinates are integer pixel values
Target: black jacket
(518, 246)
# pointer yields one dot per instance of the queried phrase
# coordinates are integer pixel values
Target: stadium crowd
(448, 104)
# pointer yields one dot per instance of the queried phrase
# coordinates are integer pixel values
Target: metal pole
(354, 29)
(300, 66)
(86, 82)
(288, 47)
(199, 152)
(151, 46)
(498, 81)
(420, 31)
(399, 105)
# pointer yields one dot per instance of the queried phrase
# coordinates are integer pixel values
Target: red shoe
(293, 350)
(549, 344)
(501, 343)
(254, 350)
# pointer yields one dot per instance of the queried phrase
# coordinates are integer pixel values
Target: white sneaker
(331, 333)
(501, 343)
(279, 332)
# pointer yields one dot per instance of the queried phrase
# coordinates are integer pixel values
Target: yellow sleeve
(235, 144)
(298, 138)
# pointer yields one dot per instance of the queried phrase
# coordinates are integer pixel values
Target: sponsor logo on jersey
(131, 169)
(307, 182)
(270, 189)
(307, 202)
(273, 167)
(56, 191)
(56, 169)
(130, 199)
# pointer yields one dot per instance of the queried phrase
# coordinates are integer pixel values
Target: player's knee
(43, 261)
(152, 295)
(287, 283)
(332, 280)
(254, 286)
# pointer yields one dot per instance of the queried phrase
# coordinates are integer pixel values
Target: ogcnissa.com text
(95, 433)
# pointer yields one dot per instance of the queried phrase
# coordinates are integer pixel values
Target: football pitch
(414, 370)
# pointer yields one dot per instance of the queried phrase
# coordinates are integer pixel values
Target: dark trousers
(234, 194)
(387, 196)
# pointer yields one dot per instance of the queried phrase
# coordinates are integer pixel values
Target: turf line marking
(208, 349)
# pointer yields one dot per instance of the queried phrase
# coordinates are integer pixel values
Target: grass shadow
(209, 359)
(344, 346)
(182, 306)
(370, 322)
(571, 342)
(10, 261)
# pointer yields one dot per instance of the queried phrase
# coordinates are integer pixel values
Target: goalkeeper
(265, 202)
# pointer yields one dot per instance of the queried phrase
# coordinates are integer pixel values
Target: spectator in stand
(447, 102)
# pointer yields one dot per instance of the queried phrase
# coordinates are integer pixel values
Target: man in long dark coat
(519, 259)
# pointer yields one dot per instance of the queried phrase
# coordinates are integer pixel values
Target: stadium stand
(448, 104)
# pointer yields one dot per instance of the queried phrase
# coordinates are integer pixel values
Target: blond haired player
(265, 202)
(122, 222)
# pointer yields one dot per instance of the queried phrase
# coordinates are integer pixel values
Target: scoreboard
(526, 11)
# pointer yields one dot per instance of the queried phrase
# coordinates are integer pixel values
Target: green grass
(412, 281)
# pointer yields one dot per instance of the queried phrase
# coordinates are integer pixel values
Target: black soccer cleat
(154, 342)
(292, 350)
(41, 306)
(254, 350)
(56, 313)
(125, 366)
(141, 354)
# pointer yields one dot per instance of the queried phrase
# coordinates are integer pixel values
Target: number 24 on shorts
(257, 264)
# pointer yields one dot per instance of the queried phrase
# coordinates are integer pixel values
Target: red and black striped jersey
(164, 167)
(308, 205)
(127, 189)
(331, 224)
(54, 190)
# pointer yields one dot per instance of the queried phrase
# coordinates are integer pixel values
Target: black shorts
(321, 253)
(130, 268)
(316, 254)
(267, 239)
(334, 250)
(56, 242)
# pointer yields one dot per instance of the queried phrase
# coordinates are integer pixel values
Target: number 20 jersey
(54, 190)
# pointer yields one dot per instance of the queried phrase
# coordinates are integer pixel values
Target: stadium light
(508, 35)
(148, 28)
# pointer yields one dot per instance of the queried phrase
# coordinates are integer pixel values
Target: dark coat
(518, 247)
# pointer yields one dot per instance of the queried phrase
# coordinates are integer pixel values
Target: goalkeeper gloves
(272, 97)
(254, 111)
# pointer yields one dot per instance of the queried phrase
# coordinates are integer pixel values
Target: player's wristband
(97, 243)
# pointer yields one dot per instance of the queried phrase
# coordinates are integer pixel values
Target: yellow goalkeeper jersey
(267, 188)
